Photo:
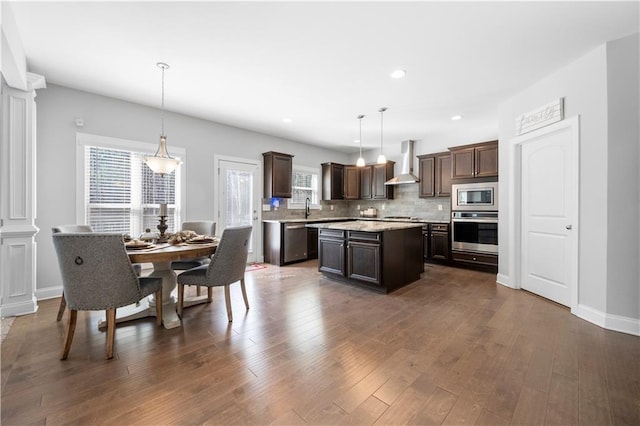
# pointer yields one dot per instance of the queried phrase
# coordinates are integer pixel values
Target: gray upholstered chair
(201, 227)
(76, 229)
(67, 229)
(227, 266)
(97, 274)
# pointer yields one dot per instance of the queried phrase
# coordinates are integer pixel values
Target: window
(305, 184)
(118, 191)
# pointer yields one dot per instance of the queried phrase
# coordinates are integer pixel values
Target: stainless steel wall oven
(474, 231)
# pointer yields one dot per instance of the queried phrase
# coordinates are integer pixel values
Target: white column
(18, 199)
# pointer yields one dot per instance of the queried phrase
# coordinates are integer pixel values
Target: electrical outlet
(440, 207)
(358, 208)
(383, 207)
(331, 207)
(266, 207)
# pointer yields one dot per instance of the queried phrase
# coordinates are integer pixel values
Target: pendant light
(381, 158)
(360, 162)
(162, 162)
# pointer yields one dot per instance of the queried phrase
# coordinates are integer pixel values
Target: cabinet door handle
(569, 227)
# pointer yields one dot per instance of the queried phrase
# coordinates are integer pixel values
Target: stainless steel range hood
(406, 172)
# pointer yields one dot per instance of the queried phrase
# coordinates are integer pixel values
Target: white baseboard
(49, 293)
(609, 321)
(17, 309)
(505, 280)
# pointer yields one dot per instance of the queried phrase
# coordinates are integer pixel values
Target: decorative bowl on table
(138, 245)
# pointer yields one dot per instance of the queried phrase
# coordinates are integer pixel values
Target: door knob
(569, 227)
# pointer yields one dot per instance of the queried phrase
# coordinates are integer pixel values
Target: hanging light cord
(382, 110)
(360, 117)
(162, 66)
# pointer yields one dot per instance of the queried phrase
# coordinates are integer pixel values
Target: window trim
(85, 139)
(300, 206)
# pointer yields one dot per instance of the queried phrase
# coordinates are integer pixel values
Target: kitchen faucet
(306, 207)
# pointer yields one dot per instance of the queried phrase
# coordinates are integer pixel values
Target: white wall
(56, 141)
(623, 277)
(584, 86)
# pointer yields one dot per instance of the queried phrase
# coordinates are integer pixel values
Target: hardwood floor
(452, 348)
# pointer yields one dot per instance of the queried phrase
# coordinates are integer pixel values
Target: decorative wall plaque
(543, 116)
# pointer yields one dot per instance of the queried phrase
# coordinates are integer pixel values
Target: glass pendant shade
(360, 162)
(162, 162)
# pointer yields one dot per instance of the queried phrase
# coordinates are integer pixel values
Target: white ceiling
(321, 64)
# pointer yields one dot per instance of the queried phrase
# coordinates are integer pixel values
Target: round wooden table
(161, 257)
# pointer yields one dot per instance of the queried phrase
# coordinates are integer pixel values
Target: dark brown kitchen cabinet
(380, 174)
(312, 243)
(435, 175)
(352, 182)
(473, 161)
(426, 173)
(278, 169)
(363, 261)
(332, 181)
(436, 245)
(366, 176)
(331, 244)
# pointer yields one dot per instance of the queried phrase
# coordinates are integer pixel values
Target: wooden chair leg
(227, 299)
(244, 293)
(111, 332)
(180, 299)
(68, 338)
(209, 294)
(63, 306)
(159, 307)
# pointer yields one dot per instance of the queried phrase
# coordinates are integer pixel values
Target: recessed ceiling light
(287, 120)
(398, 74)
(356, 141)
(456, 117)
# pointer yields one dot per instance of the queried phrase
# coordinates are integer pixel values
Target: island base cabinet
(331, 245)
(380, 261)
(363, 262)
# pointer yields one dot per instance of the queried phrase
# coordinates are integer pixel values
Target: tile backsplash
(405, 203)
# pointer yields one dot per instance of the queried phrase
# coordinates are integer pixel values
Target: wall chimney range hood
(406, 172)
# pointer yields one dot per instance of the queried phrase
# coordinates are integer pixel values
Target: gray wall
(623, 215)
(608, 159)
(57, 108)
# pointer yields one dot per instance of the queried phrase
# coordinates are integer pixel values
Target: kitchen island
(381, 256)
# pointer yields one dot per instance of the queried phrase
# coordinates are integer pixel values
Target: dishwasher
(295, 242)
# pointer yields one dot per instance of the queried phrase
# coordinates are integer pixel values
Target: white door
(238, 198)
(549, 213)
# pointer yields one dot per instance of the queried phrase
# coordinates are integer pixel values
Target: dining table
(161, 256)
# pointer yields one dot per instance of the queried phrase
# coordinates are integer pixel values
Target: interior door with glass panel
(238, 198)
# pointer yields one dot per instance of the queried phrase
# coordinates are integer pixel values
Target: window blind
(122, 194)
(304, 185)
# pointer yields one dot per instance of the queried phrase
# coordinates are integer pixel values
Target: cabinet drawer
(440, 227)
(330, 233)
(475, 258)
(365, 236)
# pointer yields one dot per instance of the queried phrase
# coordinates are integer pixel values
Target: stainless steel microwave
(482, 196)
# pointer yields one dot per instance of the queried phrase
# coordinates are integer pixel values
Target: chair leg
(63, 306)
(180, 299)
(209, 294)
(244, 293)
(68, 338)
(111, 332)
(159, 307)
(227, 299)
